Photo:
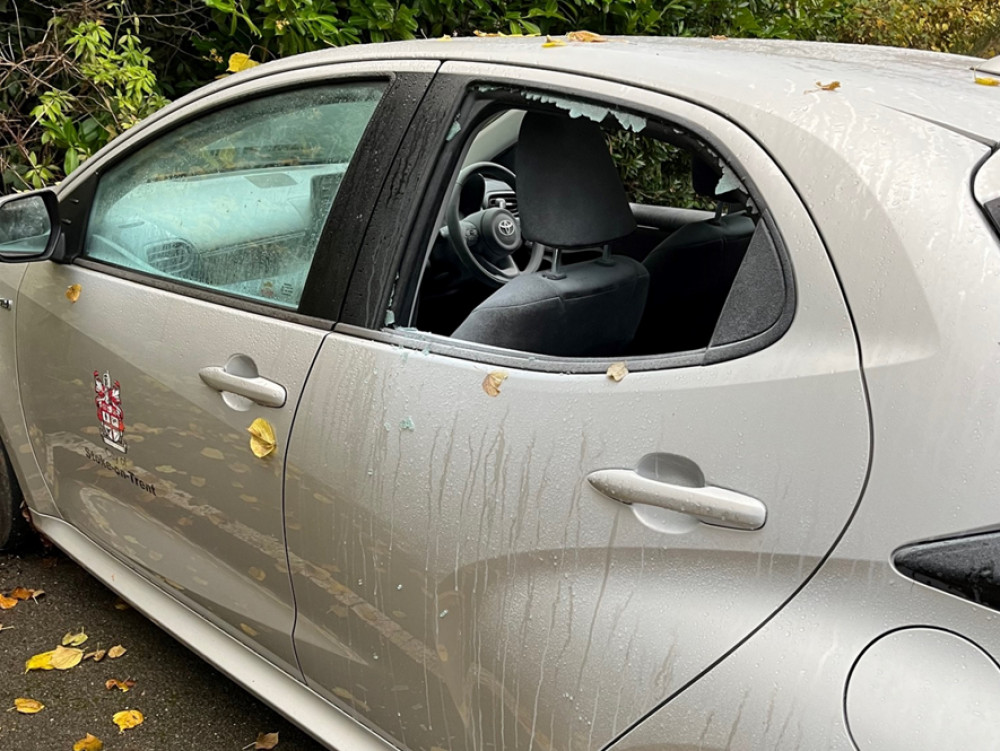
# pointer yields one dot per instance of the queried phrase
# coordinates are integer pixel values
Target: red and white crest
(109, 411)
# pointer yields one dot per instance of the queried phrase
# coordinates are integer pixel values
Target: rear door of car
(460, 584)
(210, 269)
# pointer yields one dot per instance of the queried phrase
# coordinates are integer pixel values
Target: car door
(160, 370)
(460, 581)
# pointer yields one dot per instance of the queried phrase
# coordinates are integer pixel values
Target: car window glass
(536, 254)
(236, 200)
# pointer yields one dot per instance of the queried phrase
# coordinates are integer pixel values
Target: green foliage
(960, 26)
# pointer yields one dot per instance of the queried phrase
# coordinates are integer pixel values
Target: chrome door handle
(712, 505)
(260, 390)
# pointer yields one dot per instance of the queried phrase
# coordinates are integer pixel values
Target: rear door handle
(260, 390)
(712, 505)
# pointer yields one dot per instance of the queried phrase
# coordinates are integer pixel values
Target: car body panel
(467, 563)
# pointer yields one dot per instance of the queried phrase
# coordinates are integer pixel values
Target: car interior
(578, 232)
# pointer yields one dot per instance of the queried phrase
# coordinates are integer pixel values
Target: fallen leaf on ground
(122, 605)
(550, 42)
(20, 593)
(617, 371)
(116, 651)
(127, 718)
(90, 743)
(493, 381)
(3, 627)
(74, 640)
(585, 36)
(73, 292)
(98, 655)
(64, 658)
(42, 661)
(36, 593)
(262, 440)
(125, 685)
(28, 706)
(6, 603)
(982, 81)
(265, 742)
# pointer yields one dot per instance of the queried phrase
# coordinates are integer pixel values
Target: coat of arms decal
(109, 411)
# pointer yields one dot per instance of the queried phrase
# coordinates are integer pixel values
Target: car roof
(735, 75)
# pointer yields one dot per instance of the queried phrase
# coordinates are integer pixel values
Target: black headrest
(705, 180)
(568, 191)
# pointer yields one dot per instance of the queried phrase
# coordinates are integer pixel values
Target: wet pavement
(186, 704)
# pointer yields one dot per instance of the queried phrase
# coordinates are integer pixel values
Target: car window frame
(405, 81)
(451, 100)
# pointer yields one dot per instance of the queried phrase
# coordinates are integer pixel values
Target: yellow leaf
(90, 743)
(98, 655)
(479, 33)
(122, 605)
(73, 292)
(719, 37)
(74, 640)
(265, 741)
(20, 593)
(6, 603)
(212, 453)
(445, 38)
(832, 86)
(262, 441)
(28, 706)
(248, 630)
(42, 661)
(982, 81)
(493, 381)
(125, 685)
(585, 36)
(617, 371)
(238, 61)
(116, 651)
(550, 42)
(64, 658)
(127, 718)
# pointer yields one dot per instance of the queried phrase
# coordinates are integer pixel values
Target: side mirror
(29, 226)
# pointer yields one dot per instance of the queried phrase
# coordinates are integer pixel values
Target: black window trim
(318, 306)
(366, 303)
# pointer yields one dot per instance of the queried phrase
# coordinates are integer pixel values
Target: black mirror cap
(51, 202)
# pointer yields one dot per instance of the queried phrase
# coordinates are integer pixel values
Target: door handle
(712, 505)
(260, 390)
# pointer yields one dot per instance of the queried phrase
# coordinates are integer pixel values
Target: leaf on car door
(617, 371)
(73, 292)
(28, 706)
(262, 441)
(41, 661)
(125, 685)
(493, 381)
(265, 741)
(74, 639)
(585, 36)
(64, 658)
(127, 718)
(90, 743)
(116, 651)
(212, 453)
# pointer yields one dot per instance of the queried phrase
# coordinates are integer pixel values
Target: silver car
(521, 394)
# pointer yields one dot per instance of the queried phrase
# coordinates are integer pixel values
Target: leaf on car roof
(585, 36)
(719, 37)
(265, 741)
(125, 685)
(116, 651)
(74, 640)
(239, 61)
(89, 743)
(493, 381)
(617, 371)
(28, 706)
(41, 661)
(550, 42)
(262, 441)
(127, 718)
(832, 86)
(73, 292)
(983, 81)
(64, 658)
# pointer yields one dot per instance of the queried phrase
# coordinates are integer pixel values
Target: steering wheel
(485, 240)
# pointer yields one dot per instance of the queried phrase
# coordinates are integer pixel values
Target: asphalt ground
(186, 703)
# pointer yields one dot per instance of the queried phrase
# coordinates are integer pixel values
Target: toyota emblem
(506, 227)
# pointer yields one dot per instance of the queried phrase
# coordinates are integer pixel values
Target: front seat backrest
(569, 196)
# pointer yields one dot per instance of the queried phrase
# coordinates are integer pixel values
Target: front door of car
(460, 582)
(180, 328)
